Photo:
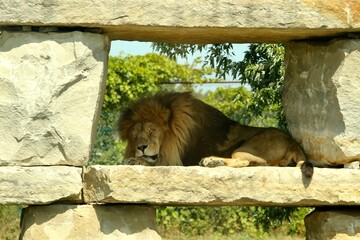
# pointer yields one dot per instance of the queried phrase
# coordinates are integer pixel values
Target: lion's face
(145, 141)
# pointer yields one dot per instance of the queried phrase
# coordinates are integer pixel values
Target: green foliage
(271, 217)
(9, 222)
(107, 148)
(130, 77)
(296, 221)
(236, 104)
(222, 221)
(219, 57)
(262, 69)
(233, 102)
(173, 50)
(201, 220)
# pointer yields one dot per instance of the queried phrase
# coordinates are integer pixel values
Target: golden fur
(178, 129)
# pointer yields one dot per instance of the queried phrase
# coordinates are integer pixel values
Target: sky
(141, 48)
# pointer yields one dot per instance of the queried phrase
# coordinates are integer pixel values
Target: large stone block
(326, 224)
(256, 186)
(321, 99)
(187, 21)
(51, 86)
(70, 222)
(40, 185)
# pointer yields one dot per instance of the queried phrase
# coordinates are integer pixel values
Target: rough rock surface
(192, 21)
(40, 185)
(49, 101)
(267, 186)
(70, 222)
(321, 99)
(333, 224)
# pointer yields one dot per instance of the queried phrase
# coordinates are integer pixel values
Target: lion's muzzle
(150, 159)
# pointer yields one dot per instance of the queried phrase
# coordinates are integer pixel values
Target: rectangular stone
(192, 21)
(321, 99)
(51, 92)
(40, 185)
(70, 222)
(257, 186)
(333, 224)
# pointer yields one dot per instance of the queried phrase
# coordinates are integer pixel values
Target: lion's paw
(135, 161)
(212, 162)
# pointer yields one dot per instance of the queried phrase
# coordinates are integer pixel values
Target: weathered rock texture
(333, 224)
(49, 101)
(260, 186)
(321, 99)
(70, 222)
(40, 185)
(205, 21)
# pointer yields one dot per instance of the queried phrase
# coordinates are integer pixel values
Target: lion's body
(178, 129)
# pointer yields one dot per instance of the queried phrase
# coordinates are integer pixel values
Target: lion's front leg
(238, 159)
(219, 161)
(135, 161)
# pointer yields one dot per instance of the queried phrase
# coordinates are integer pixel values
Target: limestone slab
(257, 186)
(203, 21)
(51, 86)
(40, 185)
(70, 222)
(333, 224)
(321, 100)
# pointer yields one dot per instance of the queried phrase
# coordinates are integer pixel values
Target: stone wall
(52, 79)
(97, 196)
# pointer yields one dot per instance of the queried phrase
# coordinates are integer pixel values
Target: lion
(169, 129)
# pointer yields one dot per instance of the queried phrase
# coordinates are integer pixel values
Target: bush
(107, 150)
(230, 220)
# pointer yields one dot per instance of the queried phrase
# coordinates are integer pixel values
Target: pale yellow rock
(332, 224)
(202, 21)
(259, 186)
(51, 93)
(88, 222)
(343, 236)
(40, 185)
(321, 100)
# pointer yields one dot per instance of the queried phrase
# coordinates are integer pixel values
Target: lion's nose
(142, 147)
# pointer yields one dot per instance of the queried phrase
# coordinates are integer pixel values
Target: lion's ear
(165, 116)
(125, 116)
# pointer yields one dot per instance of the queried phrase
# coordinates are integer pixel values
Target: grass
(242, 236)
(9, 222)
